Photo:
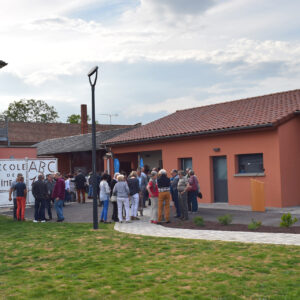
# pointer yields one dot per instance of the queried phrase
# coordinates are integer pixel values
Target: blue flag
(116, 165)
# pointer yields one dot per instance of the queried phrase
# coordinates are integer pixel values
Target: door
(125, 166)
(220, 179)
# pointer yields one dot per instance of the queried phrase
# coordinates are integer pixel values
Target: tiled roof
(26, 133)
(78, 143)
(242, 114)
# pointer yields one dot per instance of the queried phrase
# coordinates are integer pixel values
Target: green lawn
(71, 261)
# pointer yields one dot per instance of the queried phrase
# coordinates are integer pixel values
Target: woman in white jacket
(104, 197)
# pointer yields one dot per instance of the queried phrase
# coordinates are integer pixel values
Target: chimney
(84, 124)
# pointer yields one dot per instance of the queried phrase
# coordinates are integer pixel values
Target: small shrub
(287, 220)
(225, 220)
(254, 225)
(199, 221)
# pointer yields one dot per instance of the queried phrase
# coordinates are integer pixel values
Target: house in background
(17, 139)
(226, 144)
(75, 152)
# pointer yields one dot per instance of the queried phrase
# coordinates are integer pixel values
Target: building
(226, 144)
(18, 139)
(75, 152)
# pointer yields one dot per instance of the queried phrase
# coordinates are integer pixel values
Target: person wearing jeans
(58, 195)
(104, 197)
(121, 190)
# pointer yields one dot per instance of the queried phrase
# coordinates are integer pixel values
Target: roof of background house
(27, 133)
(78, 143)
(261, 111)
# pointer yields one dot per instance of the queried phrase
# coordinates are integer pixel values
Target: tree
(75, 119)
(31, 111)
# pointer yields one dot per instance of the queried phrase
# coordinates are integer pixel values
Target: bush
(254, 225)
(199, 221)
(287, 220)
(225, 220)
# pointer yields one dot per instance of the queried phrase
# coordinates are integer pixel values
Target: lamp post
(2, 64)
(94, 71)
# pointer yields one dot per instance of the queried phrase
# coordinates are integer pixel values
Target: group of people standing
(129, 195)
(45, 191)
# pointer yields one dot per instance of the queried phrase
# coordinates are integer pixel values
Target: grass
(71, 261)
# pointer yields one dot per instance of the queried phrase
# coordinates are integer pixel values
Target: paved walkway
(144, 227)
(82, 213)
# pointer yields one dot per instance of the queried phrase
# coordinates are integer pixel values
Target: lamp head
(91, 73)
(2, 64)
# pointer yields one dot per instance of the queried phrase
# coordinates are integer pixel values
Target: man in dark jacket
(50, 186)
(174, 192)
(80, 183)
(40, 193)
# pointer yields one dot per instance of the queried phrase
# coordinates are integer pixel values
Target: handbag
(199, 195)
(113, 198)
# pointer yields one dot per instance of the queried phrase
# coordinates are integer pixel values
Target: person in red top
(153, 194)
(58, 195)
(21, 192)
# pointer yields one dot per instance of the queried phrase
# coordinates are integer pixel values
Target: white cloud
(42, 43)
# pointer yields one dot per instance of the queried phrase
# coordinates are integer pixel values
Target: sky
(154, 56)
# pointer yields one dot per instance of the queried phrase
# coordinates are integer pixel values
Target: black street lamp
(2, 64)
(95, 206)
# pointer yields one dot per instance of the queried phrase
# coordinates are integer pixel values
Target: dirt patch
(209, 225)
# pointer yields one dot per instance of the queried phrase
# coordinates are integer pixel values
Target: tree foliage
(31, 111)
(75, 119)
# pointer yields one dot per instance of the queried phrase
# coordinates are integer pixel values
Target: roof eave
(216, 131)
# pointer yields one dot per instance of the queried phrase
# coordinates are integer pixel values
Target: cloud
(241, 47)
(166, 106)
(180, 7)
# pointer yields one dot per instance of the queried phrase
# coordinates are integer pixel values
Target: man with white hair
(163, 183)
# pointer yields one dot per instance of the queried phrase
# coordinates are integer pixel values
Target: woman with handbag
(192, 189)
(104, 197)
(153, 194)
(113, 198)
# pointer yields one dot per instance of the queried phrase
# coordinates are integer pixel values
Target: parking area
(83, 213)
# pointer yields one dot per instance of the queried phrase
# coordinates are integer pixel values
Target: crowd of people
(54, 189)
(128, 195)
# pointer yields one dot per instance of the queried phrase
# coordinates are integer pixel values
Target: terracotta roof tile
(240, 114)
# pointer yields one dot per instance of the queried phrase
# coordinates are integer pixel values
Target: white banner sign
(30, 168)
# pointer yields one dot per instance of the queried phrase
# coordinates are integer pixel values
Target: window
(186, 163)
(250, 163)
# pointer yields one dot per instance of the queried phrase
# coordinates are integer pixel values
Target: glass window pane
(186, 163)
(251, 163)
